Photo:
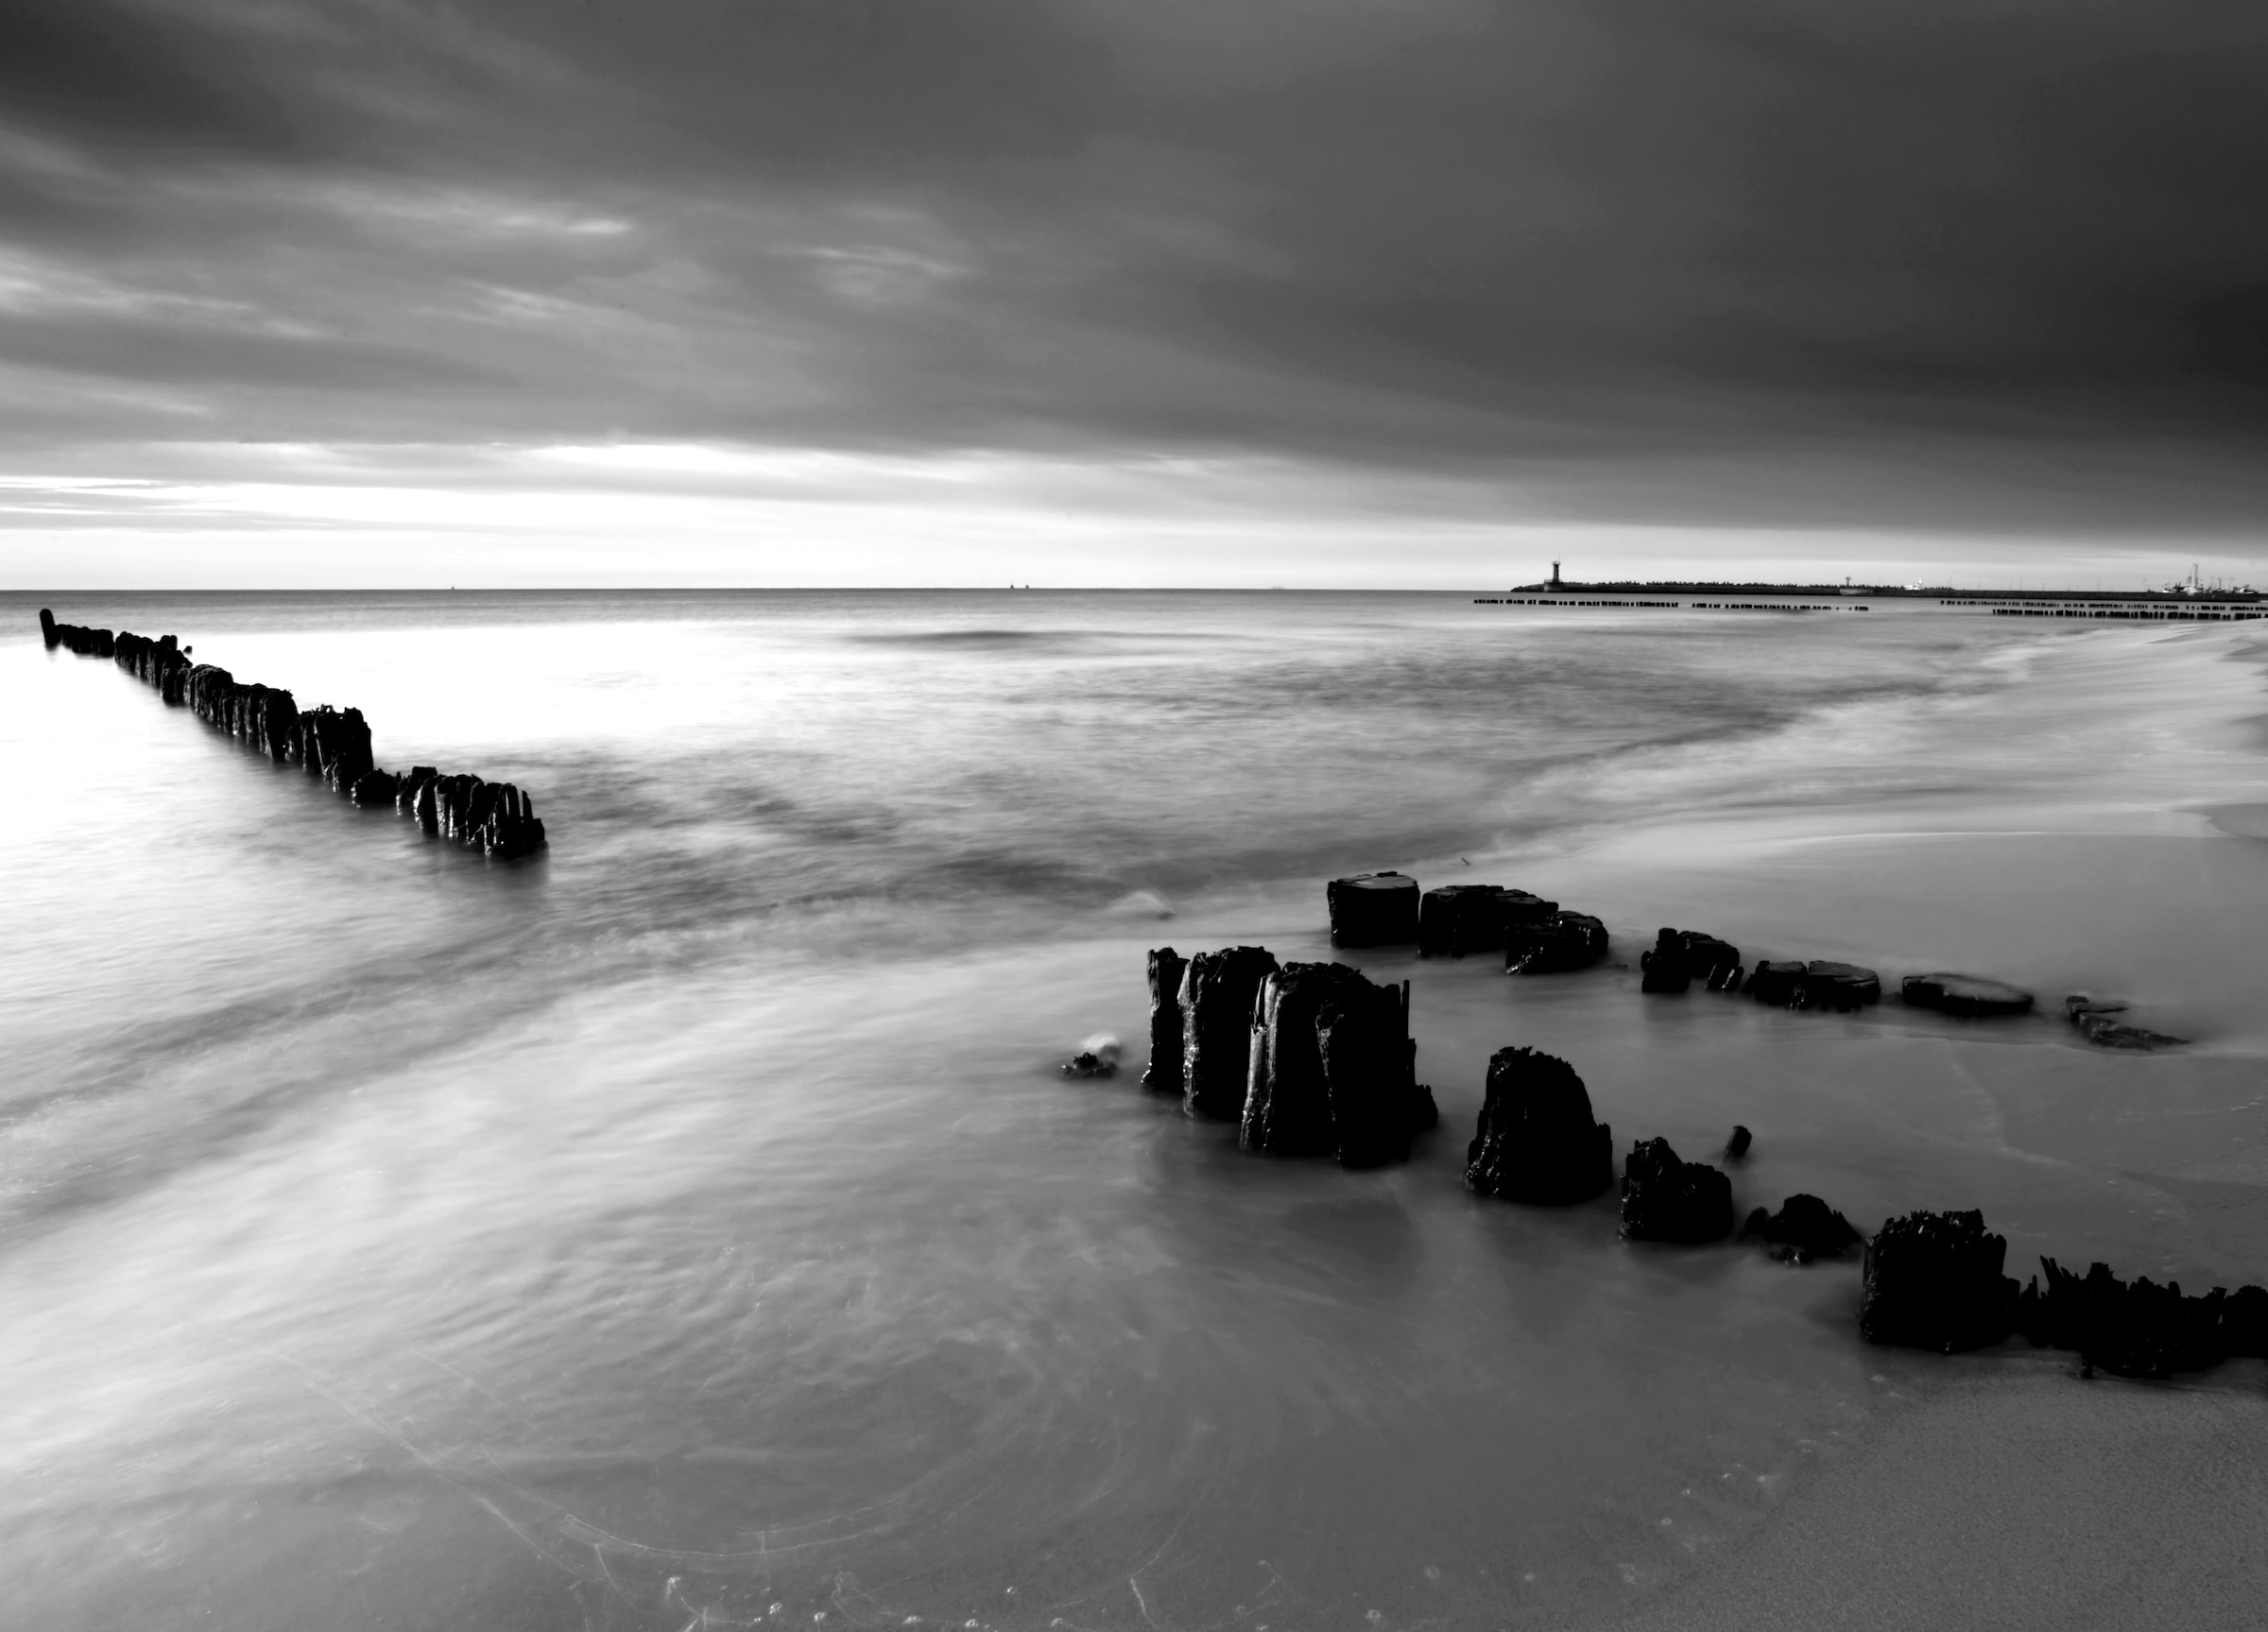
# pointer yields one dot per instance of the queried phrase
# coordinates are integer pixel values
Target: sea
(691, 1226)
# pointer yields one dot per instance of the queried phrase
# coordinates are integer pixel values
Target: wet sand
(1996, 1489)
(745, 1282)
(2016, 1497)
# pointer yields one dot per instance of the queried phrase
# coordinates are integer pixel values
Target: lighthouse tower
(1554, 575)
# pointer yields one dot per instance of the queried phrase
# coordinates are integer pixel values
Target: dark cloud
(119, 77)
(1915, 261)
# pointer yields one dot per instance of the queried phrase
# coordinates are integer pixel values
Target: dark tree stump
(2094, 1021)
(1370, 1073)
(374, 788)
(1665, 1199)
(1933, 1281)
(1682, 956)
(2135, 1330)
(1965, 996)
(1163, 1073)
(1560, 944)
(1459, 918)
(1805, 1228)
(1287, 1107)
(1537, 1140)
(1819, 983)
(1839, 986)
(1220, 991)
(1780, 984)
(1372, 909)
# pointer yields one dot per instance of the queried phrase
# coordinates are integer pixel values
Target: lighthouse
(1554, 575)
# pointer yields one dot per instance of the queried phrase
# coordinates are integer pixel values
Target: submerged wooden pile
(496, 818)
(1306, 1058)
(1315, 1059)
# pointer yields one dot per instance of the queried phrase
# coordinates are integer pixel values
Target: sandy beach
(708, 1253)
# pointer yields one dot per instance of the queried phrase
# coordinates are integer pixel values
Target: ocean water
(688, 1227)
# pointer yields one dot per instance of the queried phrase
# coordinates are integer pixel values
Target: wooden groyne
(496, 818)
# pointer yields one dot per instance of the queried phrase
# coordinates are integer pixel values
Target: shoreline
(2157, 1164)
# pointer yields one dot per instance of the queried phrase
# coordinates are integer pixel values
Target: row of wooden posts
(497, 819)
(1313, 1058)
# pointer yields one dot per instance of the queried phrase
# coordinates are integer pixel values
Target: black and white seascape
(1017, 814)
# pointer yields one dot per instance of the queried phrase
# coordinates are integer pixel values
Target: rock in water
(1370, 1073)
(1965, 996)
(1220, 991)
(1933, 1281)
(1163, 1073)
(1805, 1228)
(1681, 956)
(1537, 1140)
(1564, 941)
(1287, 1107)
(1099, 1058)
(1668, 1200)
(1372, 909)
(2095, 1023)
(1459, 918)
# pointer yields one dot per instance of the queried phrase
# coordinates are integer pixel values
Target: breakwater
(496, 818)
(1312, 1059)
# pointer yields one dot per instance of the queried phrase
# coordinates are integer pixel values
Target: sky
(1420, 293)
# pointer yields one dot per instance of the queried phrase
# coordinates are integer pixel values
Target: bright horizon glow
(708, 514)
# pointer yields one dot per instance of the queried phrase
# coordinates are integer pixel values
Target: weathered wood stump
(1537, 1140)
(75, 638)
(1287, 1107)
(1964, 996)
(1163, 1073)
(1372, 909)
(1459, 918)
(1561, 943)
(1220, 991)
(1805, 1228)
(1777, 982)
(1737, 1147)
(1933, 1281)
(1665, 1199)
(1370, 1073)
(2140, 1328)
(2096, 1022)
(1839, 986)
(1682, 956)
(1819, 983)
(374, 788)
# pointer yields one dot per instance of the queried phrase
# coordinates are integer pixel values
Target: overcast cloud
(1954, 271)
